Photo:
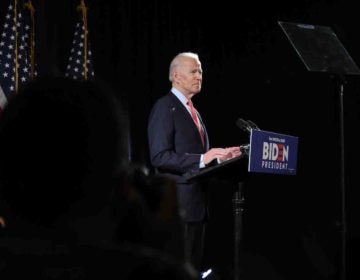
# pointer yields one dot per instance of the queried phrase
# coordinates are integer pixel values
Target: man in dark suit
(178, 143)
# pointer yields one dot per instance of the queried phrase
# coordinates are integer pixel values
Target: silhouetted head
(61, 141)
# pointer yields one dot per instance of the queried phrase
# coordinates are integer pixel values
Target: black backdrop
(292, 223)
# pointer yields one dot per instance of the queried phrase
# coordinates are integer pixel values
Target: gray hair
(177, 61)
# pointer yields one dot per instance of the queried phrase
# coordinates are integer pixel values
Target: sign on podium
(272, 153)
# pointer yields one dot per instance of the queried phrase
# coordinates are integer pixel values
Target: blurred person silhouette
(150, 215)
(63, 141)
(178, 143)
(63, 148)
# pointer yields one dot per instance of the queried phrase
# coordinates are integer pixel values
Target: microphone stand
(238, 207)
(238, 202)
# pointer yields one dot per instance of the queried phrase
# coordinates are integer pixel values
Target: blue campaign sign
(272, 153)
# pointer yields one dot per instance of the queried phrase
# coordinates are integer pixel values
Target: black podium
(235, 171)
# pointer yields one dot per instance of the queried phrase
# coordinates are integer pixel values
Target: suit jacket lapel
(185, 112)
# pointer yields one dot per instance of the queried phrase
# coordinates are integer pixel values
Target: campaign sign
(272, 153)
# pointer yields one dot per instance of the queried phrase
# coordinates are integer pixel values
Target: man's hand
(233, 152)
(221, 154)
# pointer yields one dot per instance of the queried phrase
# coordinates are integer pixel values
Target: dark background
(292, 224)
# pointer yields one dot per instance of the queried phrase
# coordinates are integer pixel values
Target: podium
(235, 171)
(321, 51)
(267, 152)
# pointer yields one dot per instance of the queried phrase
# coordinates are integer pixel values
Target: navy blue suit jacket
(175, 148)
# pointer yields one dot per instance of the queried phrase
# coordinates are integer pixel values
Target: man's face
(189, 76)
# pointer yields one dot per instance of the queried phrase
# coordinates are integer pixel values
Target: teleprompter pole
(340, 84)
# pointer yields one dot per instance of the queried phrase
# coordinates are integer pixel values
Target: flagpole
(83, 9)
(31, 9)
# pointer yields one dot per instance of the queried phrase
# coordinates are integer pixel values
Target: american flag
(15, 44)
(80, 66)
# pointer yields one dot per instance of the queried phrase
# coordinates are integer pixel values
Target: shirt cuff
(202, 164)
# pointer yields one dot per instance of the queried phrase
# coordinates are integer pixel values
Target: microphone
(253, 125)
(243, 125)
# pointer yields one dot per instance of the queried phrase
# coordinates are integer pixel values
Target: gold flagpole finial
(82, 6)
(2, 222)
(30, 6)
